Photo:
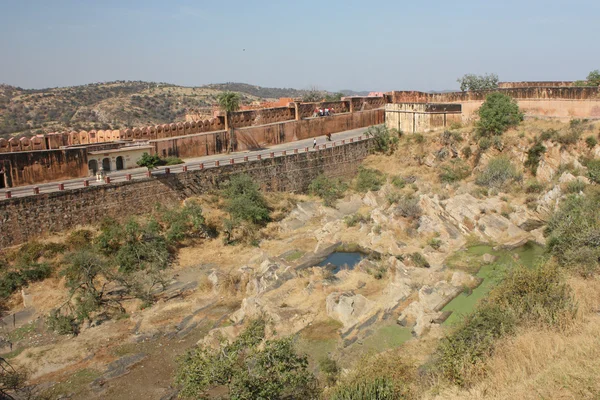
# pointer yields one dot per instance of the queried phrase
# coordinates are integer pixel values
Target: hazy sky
(360, 45)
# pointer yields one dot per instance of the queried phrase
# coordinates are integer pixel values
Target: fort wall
(257, 137)
(25, 218)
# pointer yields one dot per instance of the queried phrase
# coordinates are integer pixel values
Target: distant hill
(119, 104)
(347, 92)
(257, 91)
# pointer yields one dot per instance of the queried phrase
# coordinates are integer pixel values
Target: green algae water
(490, 274)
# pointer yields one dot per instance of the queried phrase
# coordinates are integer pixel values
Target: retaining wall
(25, 218)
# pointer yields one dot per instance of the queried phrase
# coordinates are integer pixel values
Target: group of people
(323, 112)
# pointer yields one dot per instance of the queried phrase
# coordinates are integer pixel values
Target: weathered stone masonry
(25, 218)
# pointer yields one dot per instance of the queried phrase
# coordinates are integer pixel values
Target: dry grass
(546, 364)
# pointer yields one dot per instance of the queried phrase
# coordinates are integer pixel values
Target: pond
(491, 274)
(342, 260)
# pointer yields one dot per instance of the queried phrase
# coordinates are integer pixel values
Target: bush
(485, 143)
(80, 238)
(398, 181)
(533, 186)
(329, 189)
(549, 134)
(573, 232)
(591, 141)
(149, 161)
(419, 138)
(593, 170)
(244, 202)
(408, 207)
(369, 180)
(357, 218)
(250, 367)
(435, 243)
(419, 260)
(330, 369)
(575, 186)
(498, 172)
(376, 389)
(384, 141)
(534, 155)
(455, 170)
(467, 152)
(461, 354)
(171, 161)
(498, 113)
(536, 295)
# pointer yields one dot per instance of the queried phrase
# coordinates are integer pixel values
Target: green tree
(334, 96)
(498, 113)
(229, 102)
(472, 82)
(594, 77)
(149, 161)
(312, 95)
(250, 367)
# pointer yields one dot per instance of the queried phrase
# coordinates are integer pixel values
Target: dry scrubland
(223, 265)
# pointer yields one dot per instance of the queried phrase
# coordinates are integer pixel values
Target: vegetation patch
(497, 173)
(329, 189)
(454, 171)
(369, 180)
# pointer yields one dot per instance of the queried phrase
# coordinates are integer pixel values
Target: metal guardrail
(62, 186)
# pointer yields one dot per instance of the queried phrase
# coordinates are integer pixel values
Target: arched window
(106, 164)
(93, 166)
(120, 163)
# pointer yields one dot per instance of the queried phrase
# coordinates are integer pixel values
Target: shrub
(398, 181)
(171, 161)
(534, 155)
(534, 186)
(549, 134)
(330, 369)
(467, 152)
(354, 219)
(461, 354)
(591, 141)
(455, 170)
(250, 367)
(498, 113)
(573, 232)
(455, 125)
(478, 82)
(80, 238)
(497, 143)
(149, 161)
(419, 138)
(244, 202)
(408, 207)
(485, 143)
(498, 172)
(369, 180)
(419, 260)
(376, 389)
(536, 295)
(329, 189)
(593, 170)
(383, 140)
(575, 186)
(435, 243)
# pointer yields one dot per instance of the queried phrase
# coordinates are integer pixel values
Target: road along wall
(25, 218)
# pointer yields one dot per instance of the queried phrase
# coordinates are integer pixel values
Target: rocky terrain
(410, 228)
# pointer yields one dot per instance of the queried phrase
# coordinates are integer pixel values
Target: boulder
(348, 308)
(488, 258)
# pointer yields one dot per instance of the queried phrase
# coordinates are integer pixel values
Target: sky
(331, 45)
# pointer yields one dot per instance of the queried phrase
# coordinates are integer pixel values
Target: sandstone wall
(29, 167)
(257, 137)
(421, 117)
(25, 218)
(505, 85)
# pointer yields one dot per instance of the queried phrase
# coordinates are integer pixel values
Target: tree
(149, 161)
(334, 96)
(229, 102)
(498, 113)
(474, 82)
(313, 95)
(250, 368)
(594, 77)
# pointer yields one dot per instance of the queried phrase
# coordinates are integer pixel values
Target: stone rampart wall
(30, 167)
(253, 138)
(505, 85)
(25, 218)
